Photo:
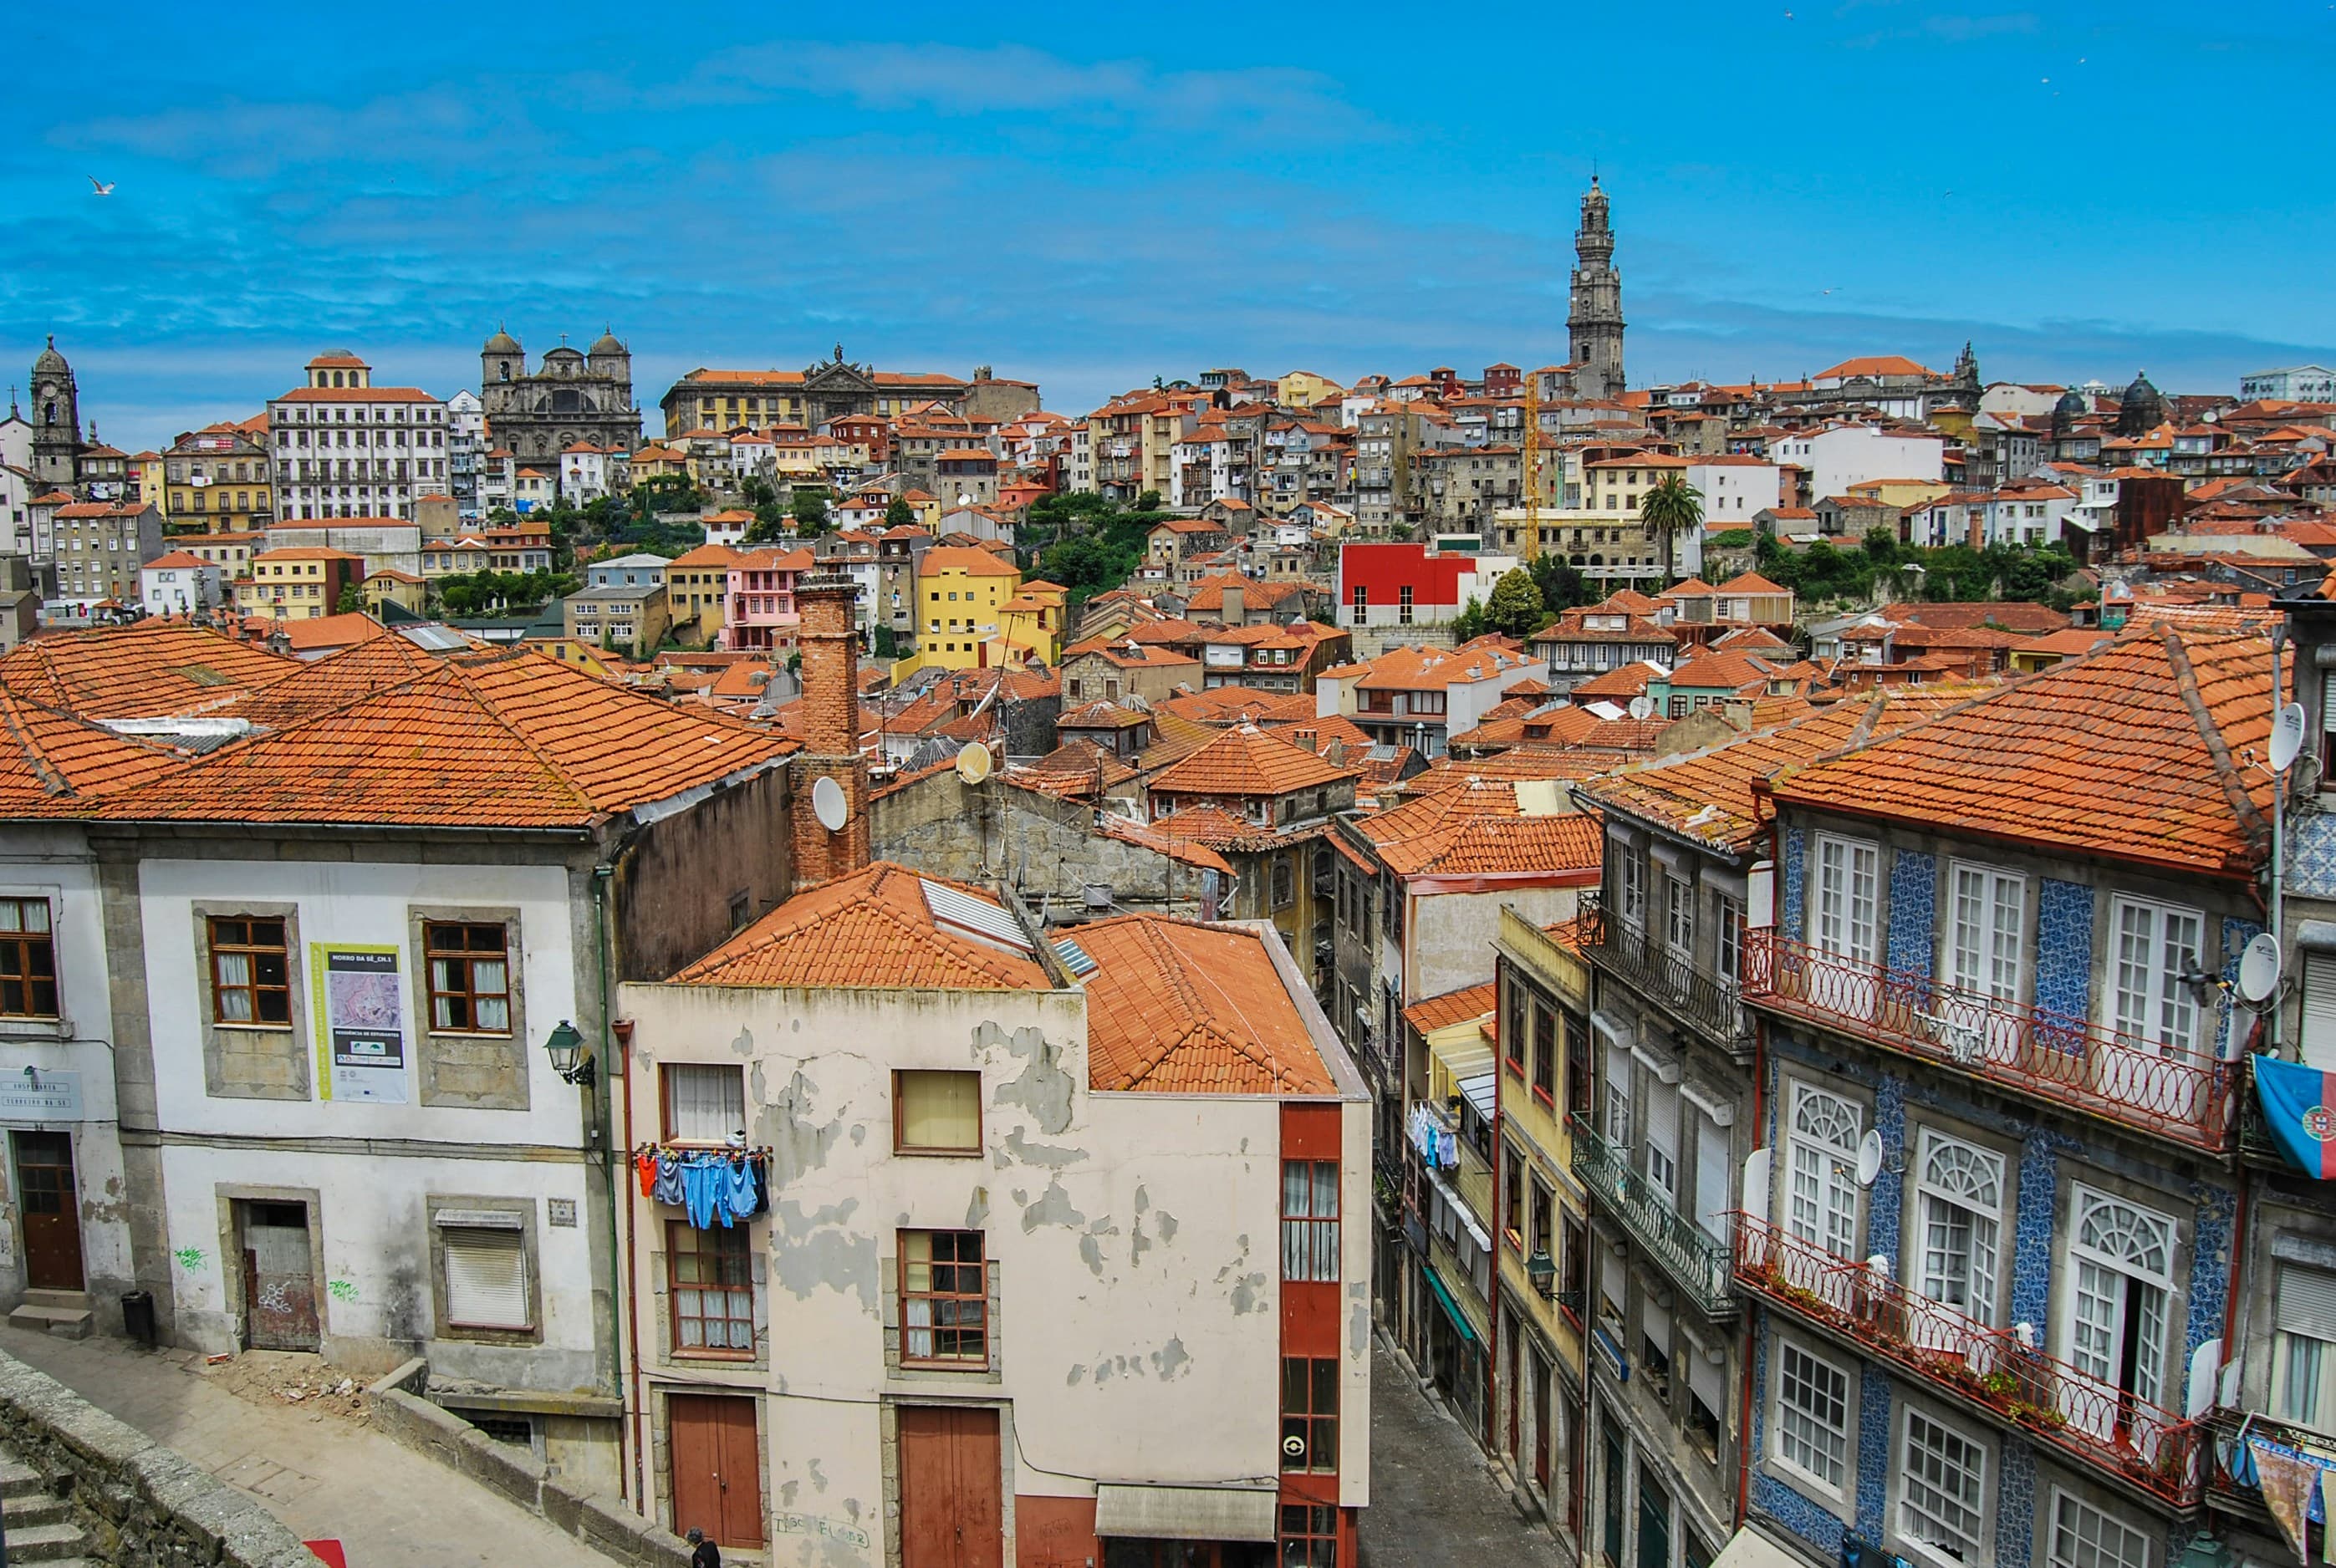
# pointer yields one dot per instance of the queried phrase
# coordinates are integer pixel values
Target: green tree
(886, 642)
(1149, 501)
(1515, 609)
(1469, 624)
(899, 514)
(352, 600)
(1671, 508)
(1562, 586)
(810, 509)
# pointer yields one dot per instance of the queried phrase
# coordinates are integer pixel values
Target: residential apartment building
(961, 591)
(218, 480)
(345, 448)
(1420, 697)
(179, 583)
(759, 612)
(1411, 588)
(300, 582)
(100, 548)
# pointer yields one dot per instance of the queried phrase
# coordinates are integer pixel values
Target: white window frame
(2055, 1521)
(1839, 924)
(2303, 1343)
(1830, 1168)
(1986, 930)
(2145, 999)
(1945, 1172)
(1980, 1503)
(2160, 1372)
(1679, 916)
(1631, 883)
(1727, 939)
(1804, 1478)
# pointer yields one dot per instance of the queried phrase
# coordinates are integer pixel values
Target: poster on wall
(360, 1023)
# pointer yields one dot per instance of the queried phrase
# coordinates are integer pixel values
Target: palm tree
(1671, 508)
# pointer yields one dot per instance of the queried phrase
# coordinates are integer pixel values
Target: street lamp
(570, 1060)
(1541, 1269)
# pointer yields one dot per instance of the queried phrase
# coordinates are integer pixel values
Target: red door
(51, 1205)
(951, 1515)
(717, 1470)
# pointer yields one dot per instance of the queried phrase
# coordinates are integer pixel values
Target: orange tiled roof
(151, 670)
(54, 757)
(1432, 1014)
(1177, 1007)
(875, 929)
(1475, 826)
(2101, 754)
(1248, 760)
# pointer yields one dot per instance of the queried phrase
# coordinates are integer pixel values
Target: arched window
(1822, 1206)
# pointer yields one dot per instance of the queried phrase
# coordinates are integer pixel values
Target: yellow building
(1302, 388)
(1541, 1210)
(695, 585)
(1030, 623)
(300, 582)
(146, 470)
(392, 586)
(961, 595)
(216, 481)
(658, 462)
(1901, 493)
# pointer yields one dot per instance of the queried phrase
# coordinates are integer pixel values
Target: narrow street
(1434, 1504)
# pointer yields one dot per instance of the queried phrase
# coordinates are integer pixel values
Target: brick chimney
(830, 730)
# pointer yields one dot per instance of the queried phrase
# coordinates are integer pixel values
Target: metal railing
(2086, 1418)
(2176, 1093)
(1705, 999)
(1698, 1263)
(2227, 1423)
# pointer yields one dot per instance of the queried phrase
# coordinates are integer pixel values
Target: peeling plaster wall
(1134, 1235)
(1450, 945)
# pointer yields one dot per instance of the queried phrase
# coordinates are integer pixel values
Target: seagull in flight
(102, 186)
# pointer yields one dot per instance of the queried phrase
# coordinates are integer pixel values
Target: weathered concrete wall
(1047, 848)
(687, 876)
(600, 1522)
(140, 1505)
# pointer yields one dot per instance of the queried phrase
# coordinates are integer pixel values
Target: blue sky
(1090, 196)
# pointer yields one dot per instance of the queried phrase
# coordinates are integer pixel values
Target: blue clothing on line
(702, 1182)
(738, 1194)
(668, 1188)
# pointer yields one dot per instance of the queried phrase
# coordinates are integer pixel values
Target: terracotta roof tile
(1248, 760)
(1432, 1014)
(1478, 827)
(152, 670)
(875, 929)
(52, 757)
(1177, 1007)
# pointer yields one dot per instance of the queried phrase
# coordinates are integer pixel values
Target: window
(28, 960)
(2303, 1348)
(1310, 1413)
(1310, 1536)
(250, 971)
(2157, 945)
(1961, 1190)
(2084, 1536)
(1630, 873)
(1512, 1195)
(944, 1299)
(486, 1277)
(1618, 1097)
(1821, 1204)
(1515, 1039)
(1727, 939)
(1577, 1065)
(710, 1281)
(1812, 1416)
(1310, 1220)
(1573, 1263)
(1942, 1484)
(2124, 1256)
(1662, 1139)
(1285, 881)
(703, 1104)
(1544, 1057)
(1679, 917)
(470, 976)
(1848, 881)
(1989, 915)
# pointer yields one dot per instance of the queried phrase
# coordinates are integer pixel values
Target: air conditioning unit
(1098, 894)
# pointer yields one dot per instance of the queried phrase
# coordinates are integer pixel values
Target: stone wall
(139, 1504)
(602, 1523)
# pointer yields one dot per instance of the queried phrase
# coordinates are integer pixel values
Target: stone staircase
(65, 1314)
(40, 1523)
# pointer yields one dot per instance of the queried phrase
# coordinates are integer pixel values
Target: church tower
(1594, 324)
(56, 421)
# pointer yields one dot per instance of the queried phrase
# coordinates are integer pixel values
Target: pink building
(759, 606)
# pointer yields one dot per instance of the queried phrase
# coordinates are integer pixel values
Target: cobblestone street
(1434, 1504)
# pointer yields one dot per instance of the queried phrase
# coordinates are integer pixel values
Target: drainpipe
(618, 1283)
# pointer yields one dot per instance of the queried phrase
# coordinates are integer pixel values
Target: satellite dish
(1642, 707)
(1869, 1157)
(827, 802)
(2259, 968)
(964, 499)
(973, 762)
(2286, 737)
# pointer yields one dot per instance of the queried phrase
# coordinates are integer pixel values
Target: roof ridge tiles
(2226, 772)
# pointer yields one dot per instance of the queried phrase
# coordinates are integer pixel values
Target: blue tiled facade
(1873, 1425)
(1914, 894)
(2311, 854)
(2236, 934)
(1887, 1198)
(2064, 948)
(2014, 1502)
(2031, 1226)
(2210, 1264)
(1797, 868)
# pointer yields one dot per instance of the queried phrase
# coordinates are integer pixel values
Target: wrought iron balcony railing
(1692, 1259)
(1703, 998)
(2175, 1093)
(2085, 1416)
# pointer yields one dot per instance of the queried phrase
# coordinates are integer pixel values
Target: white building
(2305, 384)
(584, 473)
(466, 431)
(345, 448)
(179, 583)
(1839, 455)
(1735, 488)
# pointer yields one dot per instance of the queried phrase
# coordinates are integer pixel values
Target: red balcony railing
(2085, 1417)
(2172, 1092)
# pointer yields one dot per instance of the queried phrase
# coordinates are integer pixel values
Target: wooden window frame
(1545, 1042)
(979, 1296)
(23, 952)
(1512, 1195)
(1304, 1417)
(251, 951)
(900, 1115)
(687, 1244)
(433, 953)
(1312, 1528)
(1514, 1015)
(665, 1103)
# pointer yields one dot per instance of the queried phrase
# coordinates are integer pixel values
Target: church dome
(501, 342)
(2141, 387)
(2072, 401)
(51, 361)
(607, 345)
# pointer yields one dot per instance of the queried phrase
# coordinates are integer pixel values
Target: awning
(1465, 1057)
(1184, 1513)
(1460, 1209)
(1442, 1294)
(1478, 1092)
(1749, 1548)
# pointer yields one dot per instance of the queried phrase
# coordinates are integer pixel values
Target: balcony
(2243, 1488)
(1703, 999)
(1695, 1262)
(2178, 1095)
(2087, 1418)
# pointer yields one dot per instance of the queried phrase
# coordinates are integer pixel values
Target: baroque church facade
(574, 396)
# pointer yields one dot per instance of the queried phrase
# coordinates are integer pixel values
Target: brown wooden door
(717, 1468)
(52, 1210)
(951, 1514)
(279, 1278)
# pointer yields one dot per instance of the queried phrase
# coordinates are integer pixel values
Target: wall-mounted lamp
(570, 1060)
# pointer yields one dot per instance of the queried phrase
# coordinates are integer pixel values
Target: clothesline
(727, 1186)
(2292, 1483)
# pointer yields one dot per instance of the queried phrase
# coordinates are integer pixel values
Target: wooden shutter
(1704, 1377)
(486, 1278)
(2318, 1045)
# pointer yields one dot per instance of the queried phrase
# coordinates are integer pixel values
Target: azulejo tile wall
(1913, 896)
(1873, 1448)
(2210, 1264)
(2235, 1022)
(1885, 1200)
(2015, 1503)
(2032, 1233)
(2064, 948)
(1795, 880)
(2312, 854)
